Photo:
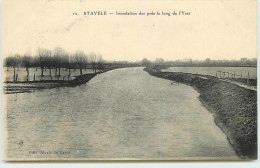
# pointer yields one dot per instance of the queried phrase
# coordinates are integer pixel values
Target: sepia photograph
(86, 80)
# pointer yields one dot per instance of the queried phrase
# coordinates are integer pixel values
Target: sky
(215, 29)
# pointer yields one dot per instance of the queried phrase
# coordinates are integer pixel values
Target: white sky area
(216, 29)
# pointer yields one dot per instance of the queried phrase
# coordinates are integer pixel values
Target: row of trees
(56, 59)
(59, 58)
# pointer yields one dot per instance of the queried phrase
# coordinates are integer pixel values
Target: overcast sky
(215, 29)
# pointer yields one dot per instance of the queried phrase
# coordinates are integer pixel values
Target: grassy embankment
(234, 108)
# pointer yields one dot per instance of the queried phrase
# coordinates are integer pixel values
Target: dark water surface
(121, 114)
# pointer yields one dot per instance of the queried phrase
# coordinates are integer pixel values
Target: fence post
(16, 77)
(34, 77)
(14, 74)
(27, 69)
(234, 74)
(241, 74)
(248, 78)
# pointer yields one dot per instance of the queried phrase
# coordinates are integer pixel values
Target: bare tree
(67, 62)
(93, 59)
(159, 61)
(9, 61)
(100, 62)
(43, 57)
(80, 59)
(13, 61)
(208, 61)
(27, 61)
(145, 62)
(58, 56)
(49, 62)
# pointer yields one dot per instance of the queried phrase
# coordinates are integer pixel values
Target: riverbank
(234, 108)
(30, 86)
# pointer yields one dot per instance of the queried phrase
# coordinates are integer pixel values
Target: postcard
(129, 80)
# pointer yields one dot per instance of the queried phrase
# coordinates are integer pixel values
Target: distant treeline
(243, 62)
(60, 58)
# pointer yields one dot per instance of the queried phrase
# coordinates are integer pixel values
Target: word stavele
(95, 13)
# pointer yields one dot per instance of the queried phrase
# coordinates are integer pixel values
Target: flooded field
(243, 72)
(22, 74)
(122, 114)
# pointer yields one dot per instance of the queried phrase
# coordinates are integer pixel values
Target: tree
(26, 62)
(58, 56)
(93, 59)
(145, 62)
(159, 61)
(100, 62)
(67, 62)
(80, 59)
(49, 62)
(208, 61)
(13, 61)
(8, 62)
(43, 57)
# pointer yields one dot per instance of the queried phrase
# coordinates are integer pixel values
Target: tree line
(59, 58)
(55, 59)
(243, 62)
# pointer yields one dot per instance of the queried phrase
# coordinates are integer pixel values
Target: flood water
(120, 114)
(241, 72)
(48, 74)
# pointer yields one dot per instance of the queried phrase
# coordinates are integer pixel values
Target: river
(120, 114)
